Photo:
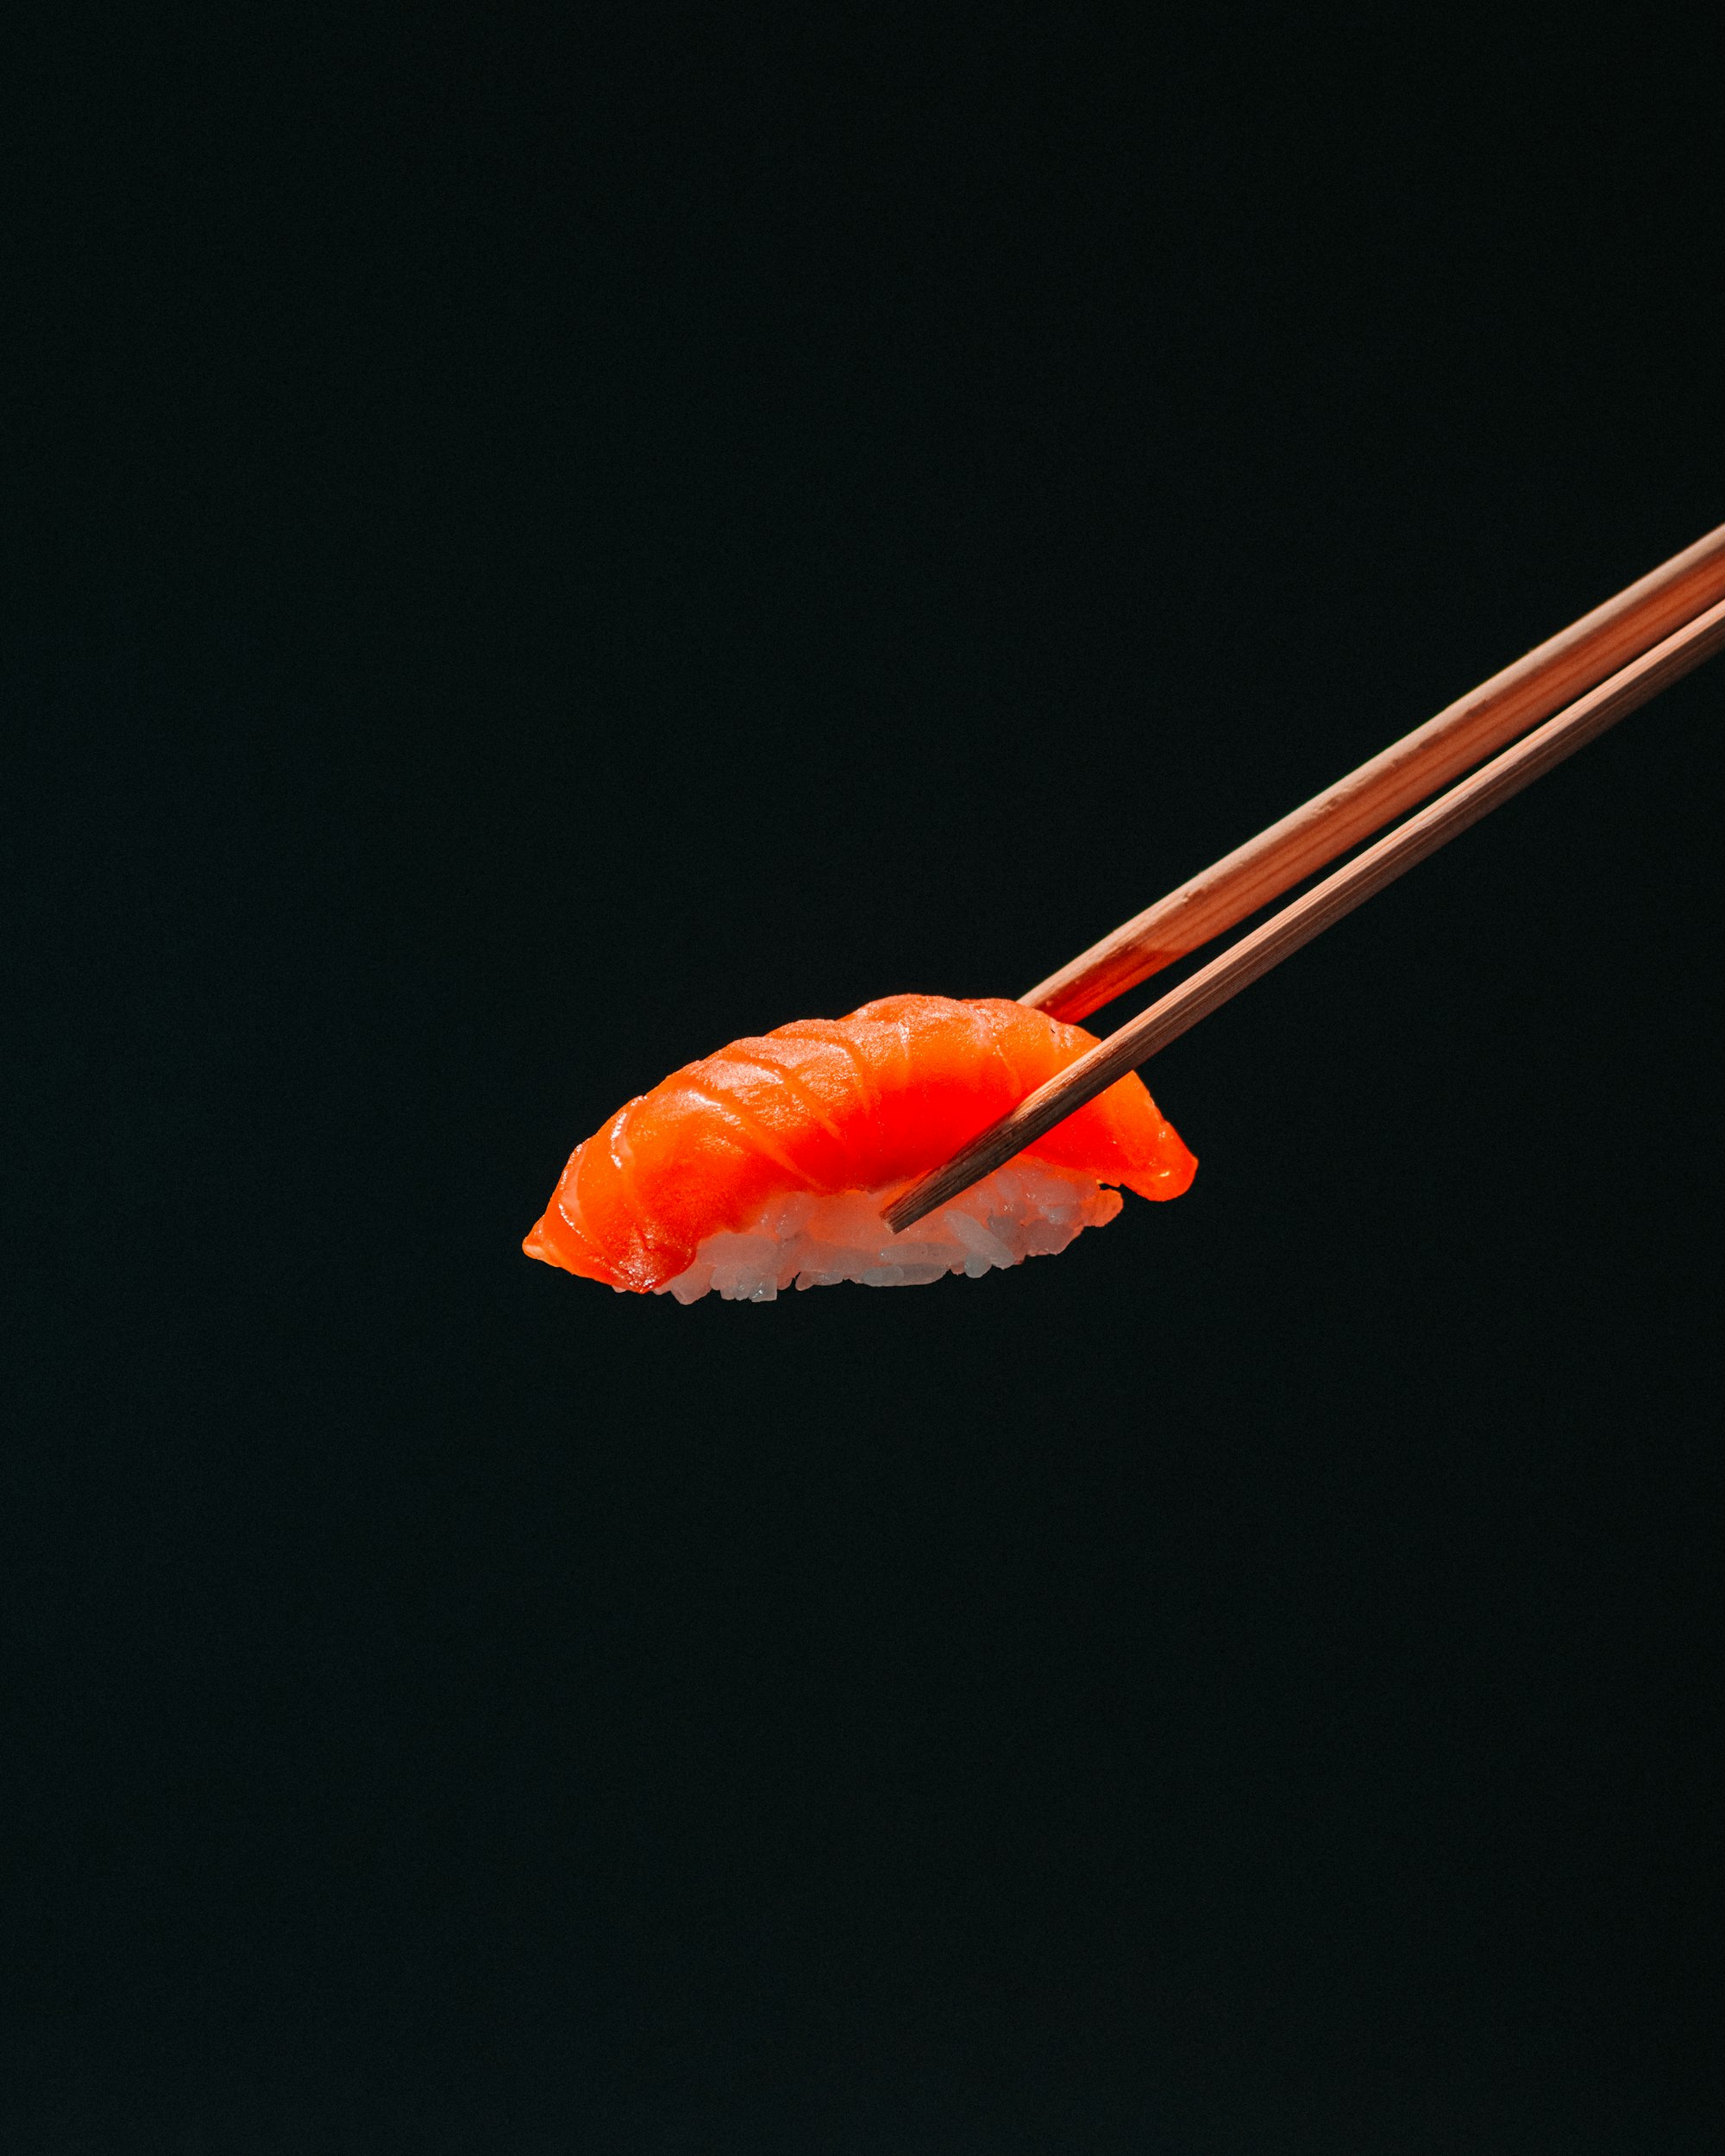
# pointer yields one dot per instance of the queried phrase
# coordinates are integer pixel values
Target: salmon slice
(867, 1103)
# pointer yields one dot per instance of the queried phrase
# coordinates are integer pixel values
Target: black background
(540, 544)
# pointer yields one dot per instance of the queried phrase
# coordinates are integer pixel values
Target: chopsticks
(1339, 894)
(1542, 682)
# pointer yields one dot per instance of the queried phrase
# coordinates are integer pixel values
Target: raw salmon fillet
(867, 1103)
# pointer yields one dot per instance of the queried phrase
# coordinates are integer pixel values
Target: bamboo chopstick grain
(1308, 916)
(1543, 682)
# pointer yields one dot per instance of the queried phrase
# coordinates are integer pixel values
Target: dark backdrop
(538, 545)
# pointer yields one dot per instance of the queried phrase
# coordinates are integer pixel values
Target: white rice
(1028, 1209)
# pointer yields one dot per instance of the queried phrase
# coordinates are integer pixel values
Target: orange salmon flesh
(868, 1102)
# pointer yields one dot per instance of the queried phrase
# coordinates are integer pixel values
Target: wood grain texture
(1550, 676)
(1310, 915)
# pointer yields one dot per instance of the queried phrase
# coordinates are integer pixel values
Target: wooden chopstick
(1547, 678)
(1339, 894)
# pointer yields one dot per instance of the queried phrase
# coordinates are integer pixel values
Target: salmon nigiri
(772, 1161)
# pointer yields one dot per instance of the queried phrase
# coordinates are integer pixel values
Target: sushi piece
(771, 1161)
